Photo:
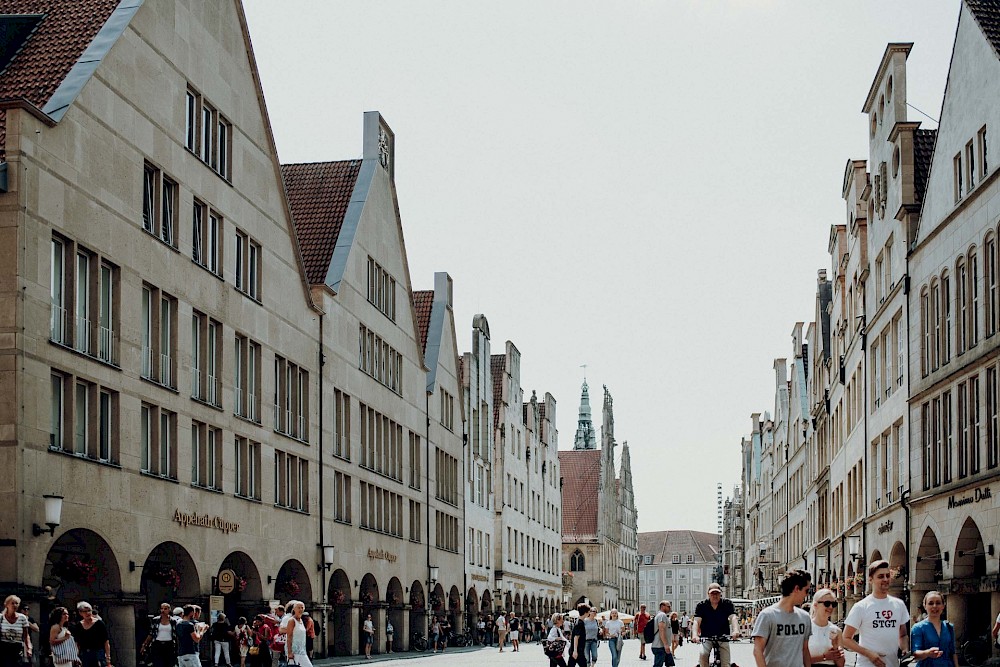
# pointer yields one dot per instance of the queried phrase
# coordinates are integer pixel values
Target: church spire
(585, 436)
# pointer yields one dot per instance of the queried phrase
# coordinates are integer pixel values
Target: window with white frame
(208, 133)
(675, 558)
(291, 481)
(957, 176)
(381, 510)
(206, 359)
(342, 497)
(381, 289)
(84, 418)
(981, 142)
(206, 456)
(341, 425)
(159, 204)
(83, 294)
(157, 438)
(246, 389)
(159, 339)
(247, 459)
(381, 443)
(291, 399)
(206, 237)
(248, 265)
(379, 360)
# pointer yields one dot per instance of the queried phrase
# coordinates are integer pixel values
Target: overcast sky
(643, 187)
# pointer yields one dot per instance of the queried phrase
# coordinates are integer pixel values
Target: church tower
(585, 436)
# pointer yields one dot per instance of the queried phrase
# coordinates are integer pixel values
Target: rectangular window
(191, 120)
(945, 319)
(207, 153)
(246, 380)
(414, 521)
(208, 134)
(981, 140)
(159, 343)
(58, 327)
(224, 132)
(992, 426)
(342, 497)
(379, 360)
(206, 237)
(291, 481)
(206, 359)
(84, 311)
(962, 297)
(963, 430)
(974, 301)
(247, 455)
(342, 425)
(159, 204)
(158, 432)
(247, 269)
(946, 436)
(81, 419)
(974, 425)
(970, 165)
(957, 169)
(291, 399)
(381, 289)
(206, 456)
(991, 286)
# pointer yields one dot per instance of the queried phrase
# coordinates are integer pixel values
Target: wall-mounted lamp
(977, 552)
(854, 546)
(270, 579)
(435, 571)
(53, 514)
(327, 557)
(821, 564)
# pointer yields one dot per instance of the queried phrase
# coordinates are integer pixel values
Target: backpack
(649, 632)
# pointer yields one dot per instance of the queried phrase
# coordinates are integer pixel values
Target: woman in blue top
(932, 640)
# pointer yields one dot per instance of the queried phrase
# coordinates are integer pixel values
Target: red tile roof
(423, 301)
(318, 194)
(663, 544)
(581, 476)
(497, 362)
(65, 31)
(48, 54)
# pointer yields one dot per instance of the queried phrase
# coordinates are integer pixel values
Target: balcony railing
(83, 334)
(167, 371)
(214, 390)
(196, 390)
(58, 325)
(147, 363)
(107, 345)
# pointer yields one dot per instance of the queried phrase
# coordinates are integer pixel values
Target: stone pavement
(531, 654)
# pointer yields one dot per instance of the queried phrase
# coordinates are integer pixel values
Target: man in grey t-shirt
(663, 640)
(781, 633)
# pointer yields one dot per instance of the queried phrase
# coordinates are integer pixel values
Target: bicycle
(417, 641)
(977, 651)
(715, 658)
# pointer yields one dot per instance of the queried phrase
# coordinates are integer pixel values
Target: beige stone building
(526, 576)
(215, 361)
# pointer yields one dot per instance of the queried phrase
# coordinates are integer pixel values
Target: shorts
(244, 650)
(189, 660)
(369, 639)
(514, 634)
(642, 638)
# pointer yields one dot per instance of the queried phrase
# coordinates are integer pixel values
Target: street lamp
(327, 557)
(821, 565)
(854, 546)
(53, 514)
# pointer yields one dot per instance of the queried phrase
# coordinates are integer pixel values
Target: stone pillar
(378, 618)
(402, 641)
(956, 605)
(359, 622)
(121, 625)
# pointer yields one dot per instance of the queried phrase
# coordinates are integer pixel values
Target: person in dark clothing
(578, 639)
(221, 634)
(91, 635)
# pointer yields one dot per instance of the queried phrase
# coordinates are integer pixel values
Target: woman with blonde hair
(295, 645)
(824, 642)
(555, 642)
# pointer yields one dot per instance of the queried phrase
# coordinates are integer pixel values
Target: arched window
(577, 562)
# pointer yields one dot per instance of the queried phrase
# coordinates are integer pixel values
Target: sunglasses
(827, 603)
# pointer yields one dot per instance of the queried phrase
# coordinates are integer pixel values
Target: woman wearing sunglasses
(824, 642)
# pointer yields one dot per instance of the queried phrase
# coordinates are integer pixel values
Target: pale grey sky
(644, 187)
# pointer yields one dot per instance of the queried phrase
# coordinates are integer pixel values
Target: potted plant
(289, 588)
(75, 569)
(337, 597)
(168, 577)
(367, 597)
(417, 599)
(241, 583)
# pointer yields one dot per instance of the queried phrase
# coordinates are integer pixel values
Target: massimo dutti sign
(205, 521)
(980, 494)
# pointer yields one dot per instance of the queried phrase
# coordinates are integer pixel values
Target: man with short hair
(882, 620)
(515, 627)
(501, 629)
(781, 632)
(641, 619)
(714, 617)
(663, 640)
(685, 625)
(188, 636)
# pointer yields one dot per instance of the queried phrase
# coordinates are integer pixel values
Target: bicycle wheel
(976, 652)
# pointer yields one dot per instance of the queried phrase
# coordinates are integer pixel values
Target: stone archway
(293, 583)
(508, 602)
(517, 604)
(394, 598)
(169, 575)
(418, 610)
(437, 600)
(247, 598)
(967, 595)
(368, 595)
(455, 610)
(897, 564)
(472, 610)
(81, 566)
(340, 628)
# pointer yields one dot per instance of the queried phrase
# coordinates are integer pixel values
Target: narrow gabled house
(158, 338)
(954, 302)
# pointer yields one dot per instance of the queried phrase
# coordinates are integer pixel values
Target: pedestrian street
(531, 654)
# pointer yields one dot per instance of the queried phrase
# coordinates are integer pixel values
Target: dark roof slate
(923, 150)
(580, 470)
(497, 362)
(987, 15)
(318, 194)
(423, 302)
